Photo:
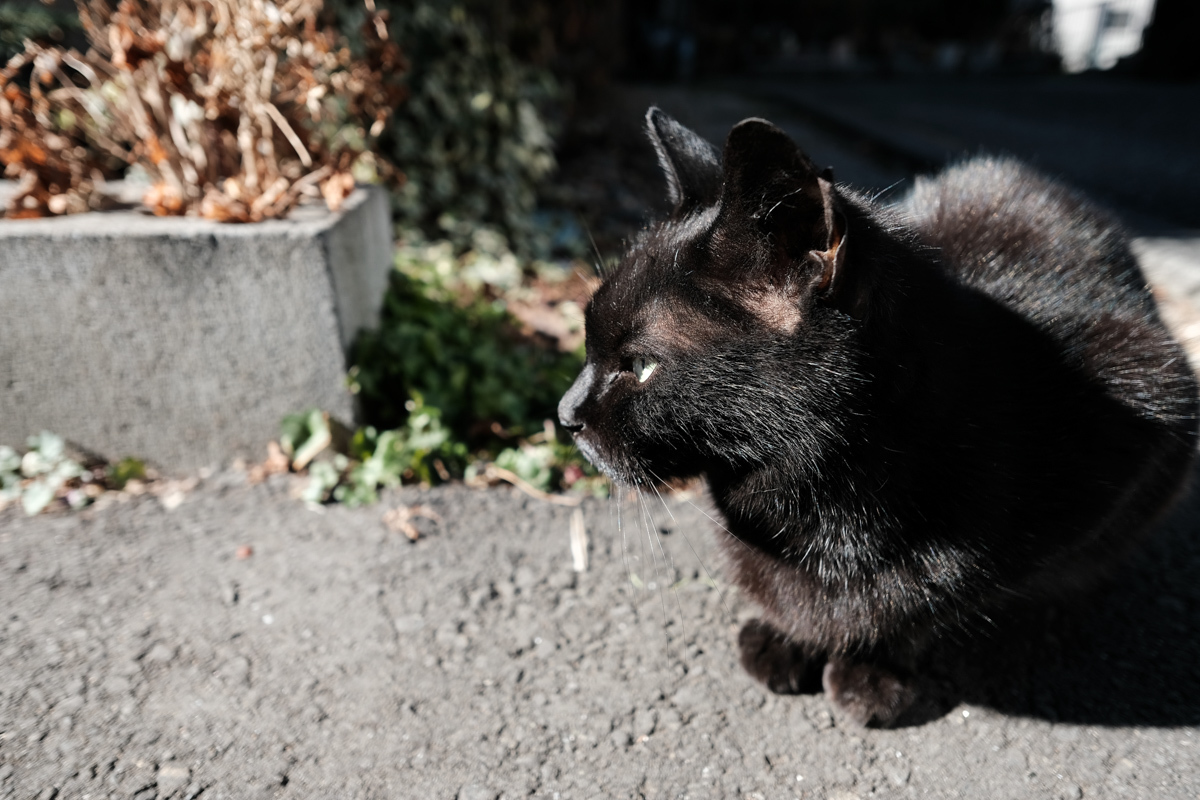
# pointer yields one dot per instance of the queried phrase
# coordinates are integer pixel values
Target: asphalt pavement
(242, 645)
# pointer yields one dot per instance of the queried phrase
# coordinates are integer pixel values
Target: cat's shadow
(1129, 654)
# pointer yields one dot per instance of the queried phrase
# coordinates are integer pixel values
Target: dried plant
(235, 109)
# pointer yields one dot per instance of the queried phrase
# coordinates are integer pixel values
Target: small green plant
(126, 470)
(47, 473)
(545, 464)
(38, 476)
(422, 450)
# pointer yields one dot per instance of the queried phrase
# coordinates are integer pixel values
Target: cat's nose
(568, 407)
(567, 417)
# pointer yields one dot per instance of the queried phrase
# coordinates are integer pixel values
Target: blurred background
(1101, 92)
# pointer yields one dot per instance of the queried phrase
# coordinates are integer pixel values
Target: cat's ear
(691, 165)
(772, 183)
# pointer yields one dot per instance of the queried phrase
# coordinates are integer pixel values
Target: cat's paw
(872, 695)
(774, 659)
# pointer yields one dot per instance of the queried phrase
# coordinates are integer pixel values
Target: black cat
(909, 417)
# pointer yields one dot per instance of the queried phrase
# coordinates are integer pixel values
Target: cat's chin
(622, 477)
(592, 454)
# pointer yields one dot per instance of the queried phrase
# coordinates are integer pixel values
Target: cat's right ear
(772, 183)
(692, 166)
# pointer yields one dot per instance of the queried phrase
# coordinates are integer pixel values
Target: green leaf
(319, 437)
(532, 463)
(48, 445)
(36, 496)
(323, 476)
(10, 462)
(126, 470)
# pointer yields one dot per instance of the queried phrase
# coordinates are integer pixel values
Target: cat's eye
(643, 368)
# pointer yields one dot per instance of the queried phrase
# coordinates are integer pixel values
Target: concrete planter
(179, 340)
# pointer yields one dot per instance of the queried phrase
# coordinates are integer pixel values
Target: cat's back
(1059, 262)
(1026, 240)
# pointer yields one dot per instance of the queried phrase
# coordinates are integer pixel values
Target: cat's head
(713, 342)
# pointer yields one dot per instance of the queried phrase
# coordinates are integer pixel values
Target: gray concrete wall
(179, 340)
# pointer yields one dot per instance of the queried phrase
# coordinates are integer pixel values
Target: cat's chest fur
(905, 415)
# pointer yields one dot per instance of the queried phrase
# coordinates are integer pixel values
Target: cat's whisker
(718, 524)
(675, 585)
(599, 258)
(648, 519)
(616, 499)
(672, 572)
(711, 580)
(633, 495)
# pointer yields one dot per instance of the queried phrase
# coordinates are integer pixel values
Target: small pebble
(474, 791)
(159, 654)
(172, 777)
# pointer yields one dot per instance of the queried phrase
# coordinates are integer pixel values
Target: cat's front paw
(774, 659)
(872, 695)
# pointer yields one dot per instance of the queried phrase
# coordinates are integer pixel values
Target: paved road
(142, 658)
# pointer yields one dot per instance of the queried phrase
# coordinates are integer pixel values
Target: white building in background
(1094, 34)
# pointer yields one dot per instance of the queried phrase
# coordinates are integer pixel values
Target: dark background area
(908, 87)
(592, 42)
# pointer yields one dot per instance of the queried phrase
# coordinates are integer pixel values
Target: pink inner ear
(829, 262)
(830, 257)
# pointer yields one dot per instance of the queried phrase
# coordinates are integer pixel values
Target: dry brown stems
(234, 109)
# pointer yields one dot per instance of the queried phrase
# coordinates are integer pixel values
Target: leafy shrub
(419, 451)
(471, 138)
(459, 349)
(451, 384)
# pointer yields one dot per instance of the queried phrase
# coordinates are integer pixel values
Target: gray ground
(140, 657)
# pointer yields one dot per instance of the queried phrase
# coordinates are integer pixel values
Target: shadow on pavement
(1128, 654)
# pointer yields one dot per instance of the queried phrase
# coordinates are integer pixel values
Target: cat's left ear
(769, 180)
(691, 165)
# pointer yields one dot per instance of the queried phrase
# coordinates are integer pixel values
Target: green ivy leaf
(36, 496)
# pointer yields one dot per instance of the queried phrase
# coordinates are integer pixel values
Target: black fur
(690, 164)
(908, 416)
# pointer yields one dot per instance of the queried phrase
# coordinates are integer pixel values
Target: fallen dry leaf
(276, 463)
(399, 520)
